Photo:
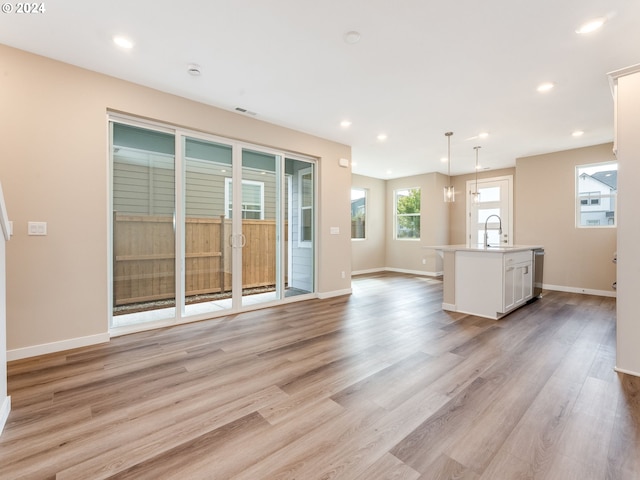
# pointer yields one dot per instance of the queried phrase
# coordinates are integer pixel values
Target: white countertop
(480, 248)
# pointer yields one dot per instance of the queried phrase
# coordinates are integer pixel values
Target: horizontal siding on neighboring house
(146, 186)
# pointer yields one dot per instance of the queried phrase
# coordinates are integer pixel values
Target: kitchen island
(487, 281)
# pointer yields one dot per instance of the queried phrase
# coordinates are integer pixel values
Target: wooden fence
(144, 257)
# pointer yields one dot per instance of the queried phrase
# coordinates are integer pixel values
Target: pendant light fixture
(475, 196)
(449, 192)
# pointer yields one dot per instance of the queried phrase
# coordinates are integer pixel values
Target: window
(358, 213)
(252, 199)
(306, 205)
(407, 214)
(596, 189)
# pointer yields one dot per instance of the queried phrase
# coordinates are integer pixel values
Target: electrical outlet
(343, 275)
(37, 228)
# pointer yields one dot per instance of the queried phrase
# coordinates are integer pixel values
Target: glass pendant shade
(449, 194)
(449, 191)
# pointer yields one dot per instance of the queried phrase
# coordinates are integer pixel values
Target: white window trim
(395, 215)
(304, 243)
(578, 198)
(366, 208)
(507, 219)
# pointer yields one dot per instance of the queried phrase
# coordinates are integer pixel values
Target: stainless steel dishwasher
(538, 268)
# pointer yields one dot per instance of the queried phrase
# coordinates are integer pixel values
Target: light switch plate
(37, 228)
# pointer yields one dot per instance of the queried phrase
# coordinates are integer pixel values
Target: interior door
(492, 212)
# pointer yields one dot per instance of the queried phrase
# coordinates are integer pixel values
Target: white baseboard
(397, 270)
(43, 349)
(4, 412)
(585, 291)
(365, 272)
(414, 272)
(449, 306)
(335, 293)
(628, 372)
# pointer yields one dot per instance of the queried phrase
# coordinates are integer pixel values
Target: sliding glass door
(203, 226)
(208, 260)
(143, 240)
(260, 240)
(300, 202)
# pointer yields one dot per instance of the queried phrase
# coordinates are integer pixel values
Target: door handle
(238, 240)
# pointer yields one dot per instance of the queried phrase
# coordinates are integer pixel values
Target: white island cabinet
(488, 282)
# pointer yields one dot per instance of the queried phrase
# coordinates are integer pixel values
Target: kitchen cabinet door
(509, 285)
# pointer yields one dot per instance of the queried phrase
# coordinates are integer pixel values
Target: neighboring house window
(590, 198)
(358, 213)
(305, 192)
(407, 213)
(252, 199)
(596, 191)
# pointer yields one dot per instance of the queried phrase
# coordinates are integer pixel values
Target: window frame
(594, 198)
(302, 208)
(228, 204)
(365, 207)
(397, 216)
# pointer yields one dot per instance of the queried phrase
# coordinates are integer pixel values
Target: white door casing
(496, 198)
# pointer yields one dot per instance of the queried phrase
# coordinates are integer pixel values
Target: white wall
(368, 254)
(576, 259)
(628, 153)
(5, 400)
(410, 255)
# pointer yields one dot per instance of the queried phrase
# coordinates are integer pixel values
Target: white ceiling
(421, 68)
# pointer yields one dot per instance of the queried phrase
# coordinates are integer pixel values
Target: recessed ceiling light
(591, 25)
(382, 137)
(545, 87)
(123, 42)
(354, 164)
(352, 37)
(577, 133)
(389, 172)
(345, 124)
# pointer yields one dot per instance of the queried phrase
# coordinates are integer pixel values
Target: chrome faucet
(486, 235)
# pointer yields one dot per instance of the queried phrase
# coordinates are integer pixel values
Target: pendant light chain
(476, 194)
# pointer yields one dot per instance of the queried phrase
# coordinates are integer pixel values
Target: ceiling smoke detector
(352, 37)
(194, 70)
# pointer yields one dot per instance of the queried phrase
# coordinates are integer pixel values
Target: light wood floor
(381, 384)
